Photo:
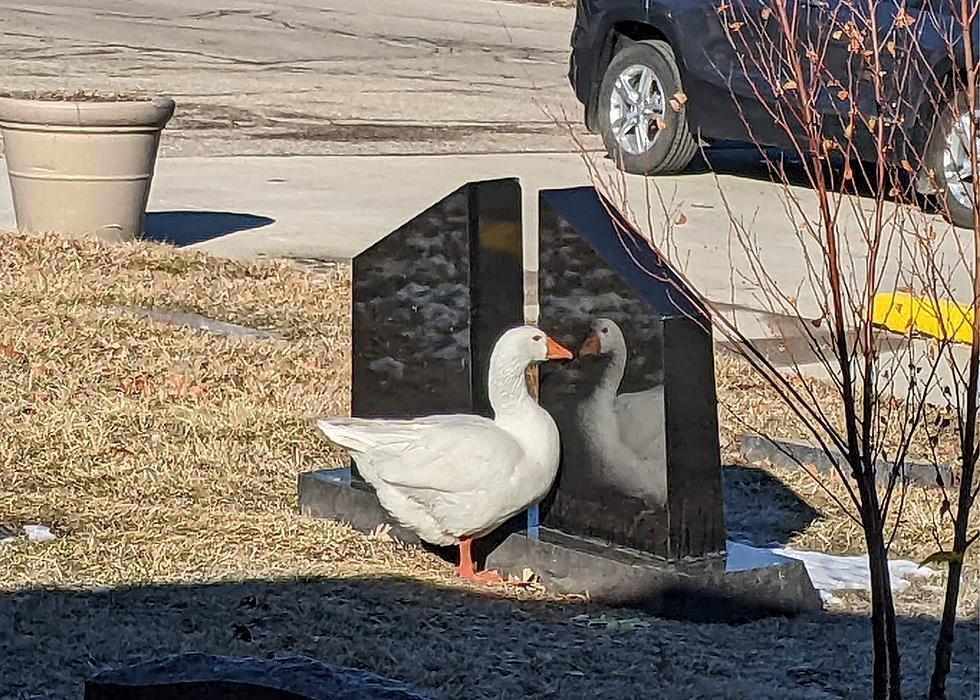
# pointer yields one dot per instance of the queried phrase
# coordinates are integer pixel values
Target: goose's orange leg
(468, 571)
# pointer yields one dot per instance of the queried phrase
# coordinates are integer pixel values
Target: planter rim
(151, 112)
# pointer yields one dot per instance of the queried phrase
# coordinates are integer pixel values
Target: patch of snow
(828, 572)
(39, 533)
(829, 598)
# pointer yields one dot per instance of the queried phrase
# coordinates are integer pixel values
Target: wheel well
(621, 33)
(638, 31)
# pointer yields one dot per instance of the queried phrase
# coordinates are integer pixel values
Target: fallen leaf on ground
(179, 387)
(610, 623)
(382, 533)
(941, 557)
(8, 350)
(135, 386)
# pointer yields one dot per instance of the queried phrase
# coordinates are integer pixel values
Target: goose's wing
(449, 454)
(639, 415)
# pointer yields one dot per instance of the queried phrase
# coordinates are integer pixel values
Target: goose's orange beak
(590, 346)
(557, 352)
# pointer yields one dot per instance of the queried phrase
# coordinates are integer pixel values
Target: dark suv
(654, 75)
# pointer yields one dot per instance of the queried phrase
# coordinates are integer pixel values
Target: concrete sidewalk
(335, 206)
(328, 207)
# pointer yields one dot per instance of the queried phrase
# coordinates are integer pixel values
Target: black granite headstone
(636, 515)
(430, 300)
(637, 408)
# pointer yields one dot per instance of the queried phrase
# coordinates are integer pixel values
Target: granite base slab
(331, 494)
(197, 676)
(700, 590)
(792, 454)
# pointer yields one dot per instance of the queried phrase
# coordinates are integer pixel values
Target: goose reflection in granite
(609, 406)
(637, 414)
(621, 433)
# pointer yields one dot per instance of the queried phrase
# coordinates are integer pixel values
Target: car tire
(955, 196)
(623, 119)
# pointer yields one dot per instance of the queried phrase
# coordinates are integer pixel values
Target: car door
(869, 67)
(743, 47)
(749, 56)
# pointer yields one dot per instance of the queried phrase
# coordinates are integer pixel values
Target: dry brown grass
(159, 454)
(162, 456)
(748, 404)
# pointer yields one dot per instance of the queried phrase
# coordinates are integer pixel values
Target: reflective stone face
(429, 301)
(636, 408)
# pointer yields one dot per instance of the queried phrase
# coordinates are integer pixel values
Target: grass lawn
(166, 461)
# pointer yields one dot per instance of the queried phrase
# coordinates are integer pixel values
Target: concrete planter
(82, 167)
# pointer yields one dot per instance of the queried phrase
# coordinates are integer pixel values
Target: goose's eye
(605, 330)
(536, 338)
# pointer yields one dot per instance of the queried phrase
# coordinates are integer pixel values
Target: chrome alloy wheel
(637, 109)
(957, 167)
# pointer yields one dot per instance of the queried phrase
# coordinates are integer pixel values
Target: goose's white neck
(520, 415)
(612, 377)
(507, 387)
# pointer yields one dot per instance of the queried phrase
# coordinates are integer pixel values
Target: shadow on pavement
(188, 227)
(761, 510)
(780, 166)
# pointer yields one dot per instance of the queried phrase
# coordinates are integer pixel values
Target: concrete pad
(335, 206)
(323, 206)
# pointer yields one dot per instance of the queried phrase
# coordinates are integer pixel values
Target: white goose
(453, 478)
(621, 430)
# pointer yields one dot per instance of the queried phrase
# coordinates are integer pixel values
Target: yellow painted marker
(903, 313)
